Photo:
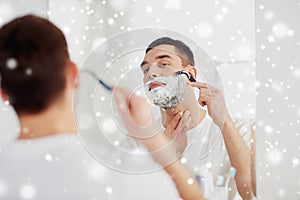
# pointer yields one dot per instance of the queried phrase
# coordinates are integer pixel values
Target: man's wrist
(227, 123)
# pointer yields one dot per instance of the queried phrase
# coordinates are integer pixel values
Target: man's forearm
(240, 157)
(186, 185)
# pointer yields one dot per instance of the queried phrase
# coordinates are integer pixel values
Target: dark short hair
(187, 59)
(33, 57)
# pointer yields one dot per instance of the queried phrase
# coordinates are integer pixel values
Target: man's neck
(58, 118)
(189, 103)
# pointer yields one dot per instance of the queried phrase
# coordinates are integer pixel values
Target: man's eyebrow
(143, 63)
(156, 58)
(163, 56)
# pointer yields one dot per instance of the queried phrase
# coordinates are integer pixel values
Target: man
(164, 57)
(46, 161)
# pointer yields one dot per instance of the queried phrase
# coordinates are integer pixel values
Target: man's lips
(155, 85)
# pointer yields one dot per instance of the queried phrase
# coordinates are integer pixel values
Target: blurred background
(278, 107)
(254, 43)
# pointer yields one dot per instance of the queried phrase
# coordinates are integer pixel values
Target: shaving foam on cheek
(170, 94)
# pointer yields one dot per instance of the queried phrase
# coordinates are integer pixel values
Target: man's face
(159, 67)
(163, 60)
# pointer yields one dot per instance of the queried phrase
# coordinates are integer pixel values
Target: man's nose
(153, 72)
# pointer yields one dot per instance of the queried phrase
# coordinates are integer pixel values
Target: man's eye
(162, 65)
(146, 70)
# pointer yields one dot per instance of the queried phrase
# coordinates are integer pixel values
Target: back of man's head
(33, 58)
(187, 54)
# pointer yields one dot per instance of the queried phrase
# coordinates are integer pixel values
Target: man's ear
(192, 71)
(73, 72)
(3, 95)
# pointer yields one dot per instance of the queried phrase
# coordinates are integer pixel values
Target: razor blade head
(187, 75)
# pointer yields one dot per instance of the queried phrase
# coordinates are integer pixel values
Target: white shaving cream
(170, 94)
